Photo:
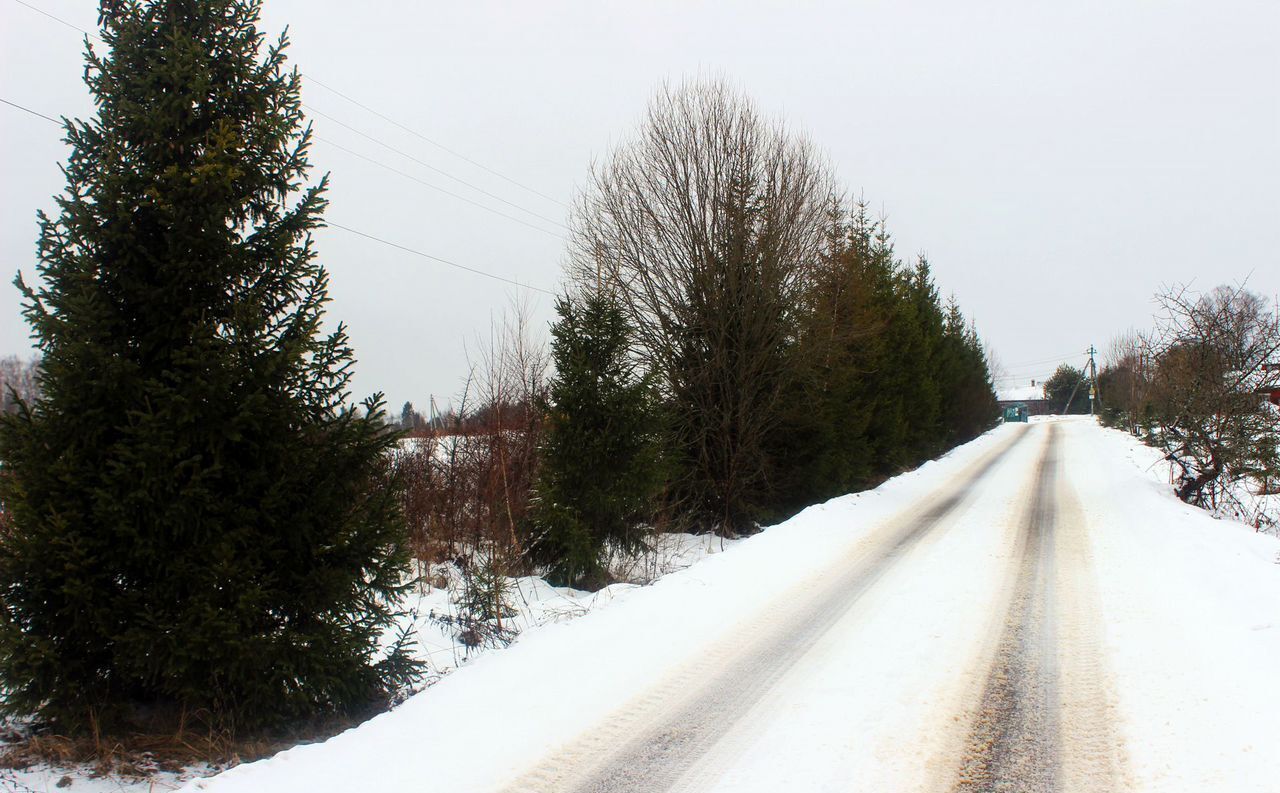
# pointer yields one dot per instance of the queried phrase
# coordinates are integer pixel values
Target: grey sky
(1058, 162)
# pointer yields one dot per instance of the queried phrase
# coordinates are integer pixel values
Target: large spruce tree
(201, 523)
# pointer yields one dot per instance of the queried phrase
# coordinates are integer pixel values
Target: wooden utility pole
(1093, 378)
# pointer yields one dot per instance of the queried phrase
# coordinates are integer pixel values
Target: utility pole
(1093, 378)
(1091, 373)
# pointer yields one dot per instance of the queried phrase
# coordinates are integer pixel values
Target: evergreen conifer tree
(201, 522)
(821, 447)
(599, 474)
(927, 395)
(969, 406)
(887, 379)
(896, 364)
(1067, 384)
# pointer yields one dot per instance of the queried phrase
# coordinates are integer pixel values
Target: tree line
(202, 529)
(723, 289)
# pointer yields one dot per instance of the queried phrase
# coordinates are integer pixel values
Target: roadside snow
(533, 602)
(1191, 607)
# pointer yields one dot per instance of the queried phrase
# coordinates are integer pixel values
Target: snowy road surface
(1031, 613)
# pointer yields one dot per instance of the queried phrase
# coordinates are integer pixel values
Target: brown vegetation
(1197, 387)
(467, 492)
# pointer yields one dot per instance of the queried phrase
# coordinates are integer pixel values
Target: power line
(1025, 372)
(1028, 372)
(359, 233)
(1037, 377)
(428, 165)
(390, 120)
(1053, 359)
(407, 249)
(410, 176)
(438, 145)
(32, 112)
(361, 156)
(1019, 381)
(59, 20)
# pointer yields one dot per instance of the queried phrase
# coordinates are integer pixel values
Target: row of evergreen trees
(881, 377)
(888, 375)
(794, 356)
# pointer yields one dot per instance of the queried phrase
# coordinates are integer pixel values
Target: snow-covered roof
(1020, 393)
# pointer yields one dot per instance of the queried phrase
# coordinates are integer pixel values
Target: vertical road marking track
(1042, 722)
(1014, 743)
(654, 740)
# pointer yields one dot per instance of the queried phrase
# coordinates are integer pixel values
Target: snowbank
(1191, 609)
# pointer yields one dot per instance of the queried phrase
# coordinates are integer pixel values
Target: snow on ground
(1244, 500)
(433, 606)
(429, 612)
(499, 714)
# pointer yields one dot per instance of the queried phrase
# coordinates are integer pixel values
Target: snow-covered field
(1166, 647)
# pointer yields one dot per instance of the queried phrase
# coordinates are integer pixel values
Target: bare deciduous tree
(468, 481)
(1125, 381)
(706, 224)
(1212, 358)
(17, 379)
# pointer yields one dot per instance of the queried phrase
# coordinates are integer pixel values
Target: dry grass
(140, 756)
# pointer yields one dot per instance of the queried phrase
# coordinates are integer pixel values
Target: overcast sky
(1058, 161)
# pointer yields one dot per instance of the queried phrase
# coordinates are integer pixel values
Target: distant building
(1030, 395)
(1272, 390)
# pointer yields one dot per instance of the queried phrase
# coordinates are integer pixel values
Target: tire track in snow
(1013, 746)
(653, 742)
(1042, 723)
(1093, 756)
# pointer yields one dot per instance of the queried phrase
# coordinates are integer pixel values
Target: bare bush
(1125, 381)
(467, 482)
(1211, 360)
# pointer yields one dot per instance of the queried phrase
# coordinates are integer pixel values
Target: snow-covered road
(1031, 613)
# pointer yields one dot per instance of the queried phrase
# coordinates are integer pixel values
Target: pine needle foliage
(1067, 390)
(202, 526)
(887, 377)
(600, 468)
